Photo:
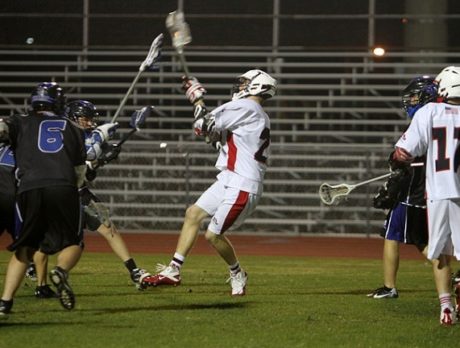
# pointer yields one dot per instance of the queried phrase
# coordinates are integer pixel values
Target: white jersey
(435, 130)
(242, 161)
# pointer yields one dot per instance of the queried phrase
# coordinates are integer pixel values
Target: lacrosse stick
(111, 152)
(329, 194)
(180, 36)
(137, 121)
(152, 57)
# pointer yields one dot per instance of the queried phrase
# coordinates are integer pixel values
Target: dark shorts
(50, 219)
(407, 224)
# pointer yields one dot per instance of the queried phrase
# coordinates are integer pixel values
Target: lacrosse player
(8, 221)
(240, 129)
(435, 131)
(50, 158)
(96, 215)
(404, 195)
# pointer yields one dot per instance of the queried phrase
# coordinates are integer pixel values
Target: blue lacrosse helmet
(420, 91)
(83, 112)
(48, 96)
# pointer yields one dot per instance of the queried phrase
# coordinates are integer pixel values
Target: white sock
(177, 260)
(445, 300)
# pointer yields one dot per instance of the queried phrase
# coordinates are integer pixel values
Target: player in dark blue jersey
(50, 159)
(404, 196)
(9, 222)
(96, 215)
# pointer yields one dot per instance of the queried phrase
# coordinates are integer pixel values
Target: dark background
(133, 23)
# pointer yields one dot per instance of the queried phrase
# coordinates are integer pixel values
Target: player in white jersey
(240, 129)
(436, 132)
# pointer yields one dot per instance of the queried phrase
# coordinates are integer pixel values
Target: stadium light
(378, 51)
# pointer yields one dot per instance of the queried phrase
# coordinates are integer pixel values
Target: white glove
(194, 91)
(107, 130)
(198, 127)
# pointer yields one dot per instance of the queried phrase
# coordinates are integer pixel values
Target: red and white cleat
(448, 317)
(169, 275)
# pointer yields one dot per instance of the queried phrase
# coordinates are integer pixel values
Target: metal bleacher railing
(334, 120)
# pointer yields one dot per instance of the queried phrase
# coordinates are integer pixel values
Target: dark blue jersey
(47, 148)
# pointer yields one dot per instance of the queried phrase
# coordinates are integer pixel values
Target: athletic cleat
(44, 291)
(65, 293)
(141, 278)
(31, 273)
(5, 307)
(238, 283)
(30, 276)
(448, 317)
(169, 275)
(384, 292)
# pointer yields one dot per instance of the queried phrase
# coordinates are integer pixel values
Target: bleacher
(335, 119)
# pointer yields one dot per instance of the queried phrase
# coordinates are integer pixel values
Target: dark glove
(86, 196)
(109, 153)
(382, 199)
(91, 173)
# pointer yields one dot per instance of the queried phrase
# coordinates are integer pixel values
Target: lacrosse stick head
(179, 30)
(138, 117)
(332, 195)
(154, 54)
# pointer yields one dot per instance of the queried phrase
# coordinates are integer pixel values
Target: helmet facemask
(419, 92)
(255, 83)
(84, 113)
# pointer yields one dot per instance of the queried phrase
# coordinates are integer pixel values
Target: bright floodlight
(379, 51)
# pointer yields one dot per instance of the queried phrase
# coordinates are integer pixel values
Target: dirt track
(309, 246)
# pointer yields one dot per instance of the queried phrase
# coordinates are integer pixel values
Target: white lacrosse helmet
(449, 82)
(254, 82)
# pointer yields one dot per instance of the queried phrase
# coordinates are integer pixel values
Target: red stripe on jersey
(235, 210)
(232, 150)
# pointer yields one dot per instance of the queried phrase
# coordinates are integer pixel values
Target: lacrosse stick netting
(331, 194)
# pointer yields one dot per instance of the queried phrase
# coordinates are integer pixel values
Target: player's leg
(393, 232)
(223, 246)
(235, 208)
(62, 211)
(96, 218)
(390, 263)
(205, 206)
(42, 290)
(14, 275)
(439, 247)
(170, 275)
(442, 278)
(139, 276)
(194, 216)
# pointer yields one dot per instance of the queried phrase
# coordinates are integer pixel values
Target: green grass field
(290, 302)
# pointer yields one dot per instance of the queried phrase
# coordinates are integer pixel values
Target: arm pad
(80, 172)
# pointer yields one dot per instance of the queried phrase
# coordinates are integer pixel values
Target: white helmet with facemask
(254, 82)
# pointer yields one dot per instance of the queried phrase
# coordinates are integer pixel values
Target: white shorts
(443, 228)
(228, 206)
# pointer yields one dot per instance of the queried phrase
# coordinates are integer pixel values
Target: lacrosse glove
(194, 91)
